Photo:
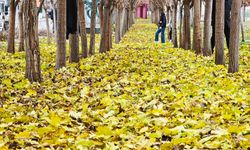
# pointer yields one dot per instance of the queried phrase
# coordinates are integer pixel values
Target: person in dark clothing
(161, 28)
(228, 4)
(71, 17)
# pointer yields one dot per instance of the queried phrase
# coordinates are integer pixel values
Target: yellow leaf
(31, 92)
(104, 131)
(22, 135)
(7, 82)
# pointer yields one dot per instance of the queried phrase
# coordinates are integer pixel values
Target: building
(142, 9)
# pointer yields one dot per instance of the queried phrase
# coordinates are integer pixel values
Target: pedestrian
(161, 28)
(228, 4)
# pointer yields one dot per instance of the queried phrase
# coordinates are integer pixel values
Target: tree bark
(186, 27)
(118, 26)
(101, 15)
(180, 27)
(33, 71)
(11, 35)
(21, 27)
(61, 35)
(124, 22)
(207, 28)
(105, 35)
(197, 28)
(92, 29)
(74, 48)
(244, 13)
(110, 31)
(242, 30)
(219, 33)
(83, 34)
(234, 37)
(174, 30)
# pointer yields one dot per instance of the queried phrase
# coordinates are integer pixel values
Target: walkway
(139, 95)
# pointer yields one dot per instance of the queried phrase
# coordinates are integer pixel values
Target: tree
(74, 48)
(21, 26)
(33, 71)
(219, 33)
(180, 27)
(61, 35)
(186, 25)
(207, 28)
(197, 28)
(12, 19)
(105, 35)
(92, 28)
(83, 34)
(234, 37)
(174, 16)
(72, 30)
(118, 23)
(100, 7)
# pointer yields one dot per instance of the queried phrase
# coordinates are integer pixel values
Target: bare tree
(197, 28)
(92, 29)
(33, 71)
(61, 35)
(234, 38)
(207, 28)
(12, 19)
(21, 26)
(83, 34)
(219, 33)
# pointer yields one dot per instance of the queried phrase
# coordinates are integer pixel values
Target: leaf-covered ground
(140, 95)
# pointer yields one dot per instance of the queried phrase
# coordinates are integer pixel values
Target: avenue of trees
(125, 18)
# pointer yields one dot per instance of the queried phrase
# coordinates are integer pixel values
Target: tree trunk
(11, 35)
(33, 72)
(180, 28)
(101, 15)
(207, 28)
(110, 31)
(186, 27)
(21, 27)
(92, 29)
(219, 33)
(61, 35)
(74, 48)
(83, 33)
(105, 35)
(47, 26)
(234, 38)
(174, 30)
(124, 22)
(118, 26)
(197, 28)
(242, 30)
(244, 13)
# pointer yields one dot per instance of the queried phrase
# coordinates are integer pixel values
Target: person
(71, 17)
(228, 5)
(161, 28)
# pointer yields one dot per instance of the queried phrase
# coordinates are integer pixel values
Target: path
(139, 95)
